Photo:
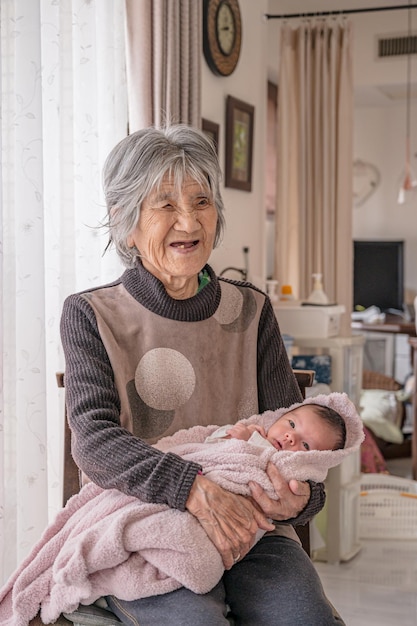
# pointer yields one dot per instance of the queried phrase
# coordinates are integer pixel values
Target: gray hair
(140, 162)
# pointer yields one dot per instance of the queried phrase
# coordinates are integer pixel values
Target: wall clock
(222, 35)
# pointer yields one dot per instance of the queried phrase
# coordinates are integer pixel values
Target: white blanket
(106, 543)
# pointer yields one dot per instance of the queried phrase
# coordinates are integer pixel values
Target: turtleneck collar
(151, 293)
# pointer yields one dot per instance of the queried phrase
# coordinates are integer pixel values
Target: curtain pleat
(168, 35)
(314, 160)
(139, 63)
(345, 169)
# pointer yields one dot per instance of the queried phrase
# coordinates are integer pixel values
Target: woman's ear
(130, 241)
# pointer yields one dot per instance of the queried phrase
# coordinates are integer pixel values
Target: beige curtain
(164, 43)
(314, 160)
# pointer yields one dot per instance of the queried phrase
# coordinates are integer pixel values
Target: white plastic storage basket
(387, 507)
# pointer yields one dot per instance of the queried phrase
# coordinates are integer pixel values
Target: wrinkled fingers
(230, 521)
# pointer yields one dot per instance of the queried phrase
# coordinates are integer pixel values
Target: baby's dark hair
(336, 421)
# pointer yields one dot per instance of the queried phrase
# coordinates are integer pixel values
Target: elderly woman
(168, 346)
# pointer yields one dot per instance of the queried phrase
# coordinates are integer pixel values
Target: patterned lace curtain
(64, 106)
(314, 160)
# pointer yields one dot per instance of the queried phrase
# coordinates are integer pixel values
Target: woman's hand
(292, 496)
(230, 521)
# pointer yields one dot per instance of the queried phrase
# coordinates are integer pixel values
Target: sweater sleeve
(277, 387)
(108, 454)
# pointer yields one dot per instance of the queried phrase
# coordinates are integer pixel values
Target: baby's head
(308, 427)
(335, 423)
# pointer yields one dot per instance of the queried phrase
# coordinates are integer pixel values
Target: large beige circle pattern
(237, 308)
(231, 304)
(164, 379)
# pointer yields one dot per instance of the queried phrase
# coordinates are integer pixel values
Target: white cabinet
(339, 520)
(347, 361)
(387, 353)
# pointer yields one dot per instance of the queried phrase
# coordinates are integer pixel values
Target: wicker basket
(387, 507)
(375, 380)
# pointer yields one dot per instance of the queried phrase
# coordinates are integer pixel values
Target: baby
(307, 427)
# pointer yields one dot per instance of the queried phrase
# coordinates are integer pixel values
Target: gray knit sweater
(141, 365)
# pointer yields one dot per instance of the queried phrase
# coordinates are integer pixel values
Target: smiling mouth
(183, 245)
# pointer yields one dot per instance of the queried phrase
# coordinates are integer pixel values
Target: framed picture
(239, 144)
(211, 129)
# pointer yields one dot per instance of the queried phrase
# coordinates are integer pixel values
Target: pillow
(378, 409)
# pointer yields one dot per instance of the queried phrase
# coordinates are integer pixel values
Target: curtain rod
(270, 16)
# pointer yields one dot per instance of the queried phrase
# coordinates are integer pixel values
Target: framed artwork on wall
(211, 129)
(239, 144)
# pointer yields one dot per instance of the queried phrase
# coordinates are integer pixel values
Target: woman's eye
(202, 203)
(291, 423)
(306, 446)
(165, 207)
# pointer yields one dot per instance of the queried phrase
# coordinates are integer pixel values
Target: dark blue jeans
(275, 584)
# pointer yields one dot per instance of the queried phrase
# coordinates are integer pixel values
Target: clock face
(225, 28)
(222, 35)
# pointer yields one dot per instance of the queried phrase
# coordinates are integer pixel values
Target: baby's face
(302, 429)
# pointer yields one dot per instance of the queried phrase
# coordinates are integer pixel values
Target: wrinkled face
(176, 230)
(302, 429)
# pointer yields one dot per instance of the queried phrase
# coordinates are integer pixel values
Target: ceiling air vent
(397, 46)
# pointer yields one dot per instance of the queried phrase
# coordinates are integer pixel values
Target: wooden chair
(96, 616)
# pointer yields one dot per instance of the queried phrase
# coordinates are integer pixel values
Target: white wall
(245, 213)
(379, 137)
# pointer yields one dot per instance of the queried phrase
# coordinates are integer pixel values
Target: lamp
(409, 181)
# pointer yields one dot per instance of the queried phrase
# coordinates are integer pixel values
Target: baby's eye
(291, 423)
(306, 446)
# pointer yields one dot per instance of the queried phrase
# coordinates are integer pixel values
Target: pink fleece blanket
(104, 542)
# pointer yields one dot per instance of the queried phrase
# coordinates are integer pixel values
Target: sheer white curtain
(164, 43)
(314, 159)
(64, 106)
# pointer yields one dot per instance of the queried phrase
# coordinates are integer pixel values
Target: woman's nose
(186, 220)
